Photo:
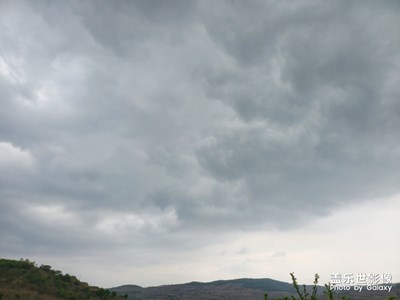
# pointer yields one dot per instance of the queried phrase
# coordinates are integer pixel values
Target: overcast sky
(153, 142)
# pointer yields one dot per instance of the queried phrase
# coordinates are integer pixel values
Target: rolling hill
(240, 289)
(243, 289)
(22, 279)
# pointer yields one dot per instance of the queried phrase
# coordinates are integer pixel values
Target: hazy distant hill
(236, 289)
(22, 279)
(240, 289)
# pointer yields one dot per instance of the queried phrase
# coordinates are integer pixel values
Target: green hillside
(22, 279)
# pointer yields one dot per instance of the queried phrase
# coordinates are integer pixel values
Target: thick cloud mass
(155, 123)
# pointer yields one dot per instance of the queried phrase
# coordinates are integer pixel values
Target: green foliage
(314, 288)
(24, 264)
(302, 293)
(302, 296)
(328, 291)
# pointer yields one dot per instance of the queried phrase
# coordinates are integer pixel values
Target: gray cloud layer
(154, 121)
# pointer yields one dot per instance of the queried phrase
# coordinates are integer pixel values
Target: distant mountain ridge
(238, 289)
(242, 288)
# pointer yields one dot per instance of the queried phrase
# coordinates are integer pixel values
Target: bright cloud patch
(131, 223)
(14, 157)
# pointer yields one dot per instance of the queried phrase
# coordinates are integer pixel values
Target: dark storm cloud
(137, 119)
(316, 126)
